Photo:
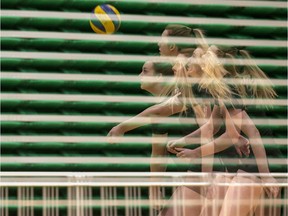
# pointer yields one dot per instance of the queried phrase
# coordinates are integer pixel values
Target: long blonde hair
(213, 70)
(212, 78)
(200, 38)
(251, 69)
(240, 87)
(182, 88)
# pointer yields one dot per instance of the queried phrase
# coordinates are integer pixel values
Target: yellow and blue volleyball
(105, 19)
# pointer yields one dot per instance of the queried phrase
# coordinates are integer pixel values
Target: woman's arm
(163, 110)
(258, 149)
(210, 127)
(221, 143)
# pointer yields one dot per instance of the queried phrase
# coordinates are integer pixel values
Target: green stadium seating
(62, 87)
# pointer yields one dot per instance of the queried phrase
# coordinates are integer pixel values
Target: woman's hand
(174, 144)
(242, 146)
(186, 153)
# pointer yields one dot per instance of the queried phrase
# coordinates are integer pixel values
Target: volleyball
(105, 19)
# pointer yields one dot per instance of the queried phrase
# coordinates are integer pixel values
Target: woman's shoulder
(173, 98)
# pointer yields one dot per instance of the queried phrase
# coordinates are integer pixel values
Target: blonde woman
(221, 143)
(180, 100)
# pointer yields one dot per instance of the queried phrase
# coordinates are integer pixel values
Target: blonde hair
(200, 38)
(251, 69)
(182, 88)
(212, 77)
(240, 87)
(212, 68)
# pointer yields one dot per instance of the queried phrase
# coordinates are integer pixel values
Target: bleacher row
(60, 109)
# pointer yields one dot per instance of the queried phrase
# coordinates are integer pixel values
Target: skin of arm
(251, 131)
(260, 154)
(211, 127)
(161, 110)
(205, 132)
(221, 143)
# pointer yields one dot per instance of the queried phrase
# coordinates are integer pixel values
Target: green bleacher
(98, 66)
(35, 96)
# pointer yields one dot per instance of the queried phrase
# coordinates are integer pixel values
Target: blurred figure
(236, 195)
(180, 100)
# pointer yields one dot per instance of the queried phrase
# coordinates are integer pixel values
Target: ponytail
(240, 87)
(212, 78)
(199, 34)
(259, 90)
